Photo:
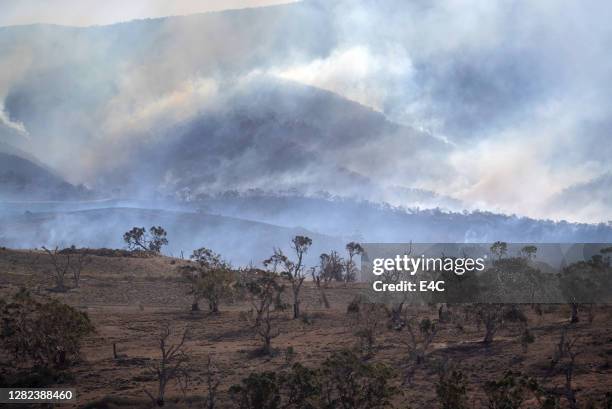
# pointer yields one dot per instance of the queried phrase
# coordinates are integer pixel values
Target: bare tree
(61, 267)
(170, 366)
(293, 271)
(80, 261)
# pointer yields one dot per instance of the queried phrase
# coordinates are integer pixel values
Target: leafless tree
(61, 267)
(81, 259)
(170, 366)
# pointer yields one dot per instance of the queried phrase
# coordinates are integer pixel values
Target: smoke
(13, 65)
(501, 106)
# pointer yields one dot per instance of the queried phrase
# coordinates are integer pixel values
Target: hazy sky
(92, 12)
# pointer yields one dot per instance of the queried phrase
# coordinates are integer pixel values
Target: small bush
(511, 391)
(350, 383)
(527, 338)
(515, 314)
(307, 318)
(451, 390)
(257, 391)
(355, 304)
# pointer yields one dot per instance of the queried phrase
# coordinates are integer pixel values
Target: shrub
(301, 388)
(257, 391)
(527, 338)
(421, 336)
(511, 391)
(45, 334)
(355, 304)
(367, 326)
(348, 382)
(514, 314)
(451, 390)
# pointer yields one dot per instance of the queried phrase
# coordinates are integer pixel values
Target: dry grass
(129, 299)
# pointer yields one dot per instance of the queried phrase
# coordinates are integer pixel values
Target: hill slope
(23, 179)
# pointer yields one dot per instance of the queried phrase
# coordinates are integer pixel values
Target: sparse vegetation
(323, 374)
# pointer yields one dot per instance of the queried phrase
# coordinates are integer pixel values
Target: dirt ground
(130, 299)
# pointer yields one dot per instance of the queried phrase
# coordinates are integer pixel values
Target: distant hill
(276, 135)
(589, 199)
(252, 132)
(373, 222)
(23, 179)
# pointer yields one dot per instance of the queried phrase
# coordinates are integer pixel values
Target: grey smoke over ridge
(502, 105)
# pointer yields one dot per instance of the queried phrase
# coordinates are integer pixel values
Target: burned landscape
(190, 192)
(436, 355)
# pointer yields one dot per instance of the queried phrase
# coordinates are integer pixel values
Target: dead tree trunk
(574, 313)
